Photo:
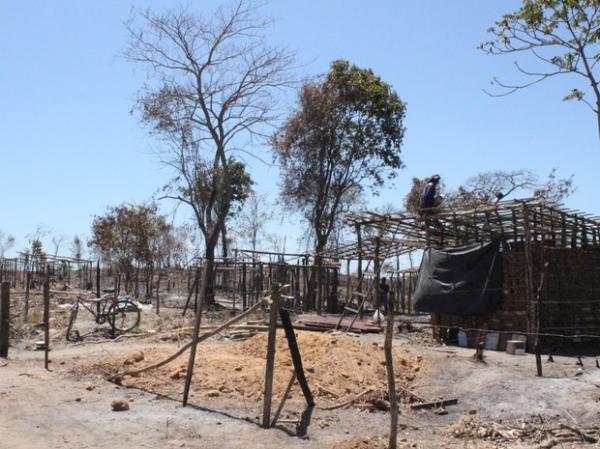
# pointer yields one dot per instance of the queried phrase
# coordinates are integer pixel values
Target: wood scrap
(350, 401)
(434, 404)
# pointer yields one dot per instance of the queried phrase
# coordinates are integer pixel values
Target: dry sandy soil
(70, 405)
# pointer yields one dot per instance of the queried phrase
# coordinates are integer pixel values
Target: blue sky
(69, 146)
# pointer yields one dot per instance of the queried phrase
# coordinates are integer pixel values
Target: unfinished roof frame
(511, 221)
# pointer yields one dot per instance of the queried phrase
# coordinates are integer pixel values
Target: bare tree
(491, 187)
(77, 248)
(253, 217)
(7, 242)
(214, 83)
(57, 241)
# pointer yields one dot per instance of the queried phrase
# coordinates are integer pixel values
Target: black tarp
(460, 281)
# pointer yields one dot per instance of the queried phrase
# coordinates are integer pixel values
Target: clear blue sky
(69, 146)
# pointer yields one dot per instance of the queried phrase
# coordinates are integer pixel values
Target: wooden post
(98, 279)
(244, 289)
(348, 283)
(334, 293)
(4, 318)
(46, 318)
(270, 364)
(359, 273)
(158, 294)
(27, 283)
(377, 269)
(296, 357)
(194, 345)
(528, 273)
(389, 366)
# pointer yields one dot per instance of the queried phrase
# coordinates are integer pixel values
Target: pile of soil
(338, 368)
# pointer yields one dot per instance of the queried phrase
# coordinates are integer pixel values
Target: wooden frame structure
(551, 258)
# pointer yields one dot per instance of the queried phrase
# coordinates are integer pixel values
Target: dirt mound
(338, 369)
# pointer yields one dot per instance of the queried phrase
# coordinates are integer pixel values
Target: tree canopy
(129, 234)
(562, 36)
(343, 138)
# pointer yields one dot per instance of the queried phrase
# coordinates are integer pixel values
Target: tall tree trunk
(225, 273)
(224, 241)
(209, 296)
(316, 279)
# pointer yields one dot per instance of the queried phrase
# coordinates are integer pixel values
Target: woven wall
(570, 297)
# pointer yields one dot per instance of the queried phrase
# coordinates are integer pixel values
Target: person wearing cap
(429, 196)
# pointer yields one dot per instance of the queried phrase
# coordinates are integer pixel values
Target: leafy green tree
(562, 36)
(343, 138)
(37, 248)
(241, 187)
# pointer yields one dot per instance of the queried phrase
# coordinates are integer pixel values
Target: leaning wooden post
(389, 365)
(4, 318)
(270, 365)
(194, 344)
(46, 318)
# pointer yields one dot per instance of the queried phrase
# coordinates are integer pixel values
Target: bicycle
(122, 314)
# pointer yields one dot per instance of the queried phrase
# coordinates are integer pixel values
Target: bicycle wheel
(123, 315)
(73, 335)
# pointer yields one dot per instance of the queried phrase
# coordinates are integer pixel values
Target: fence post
(46, 320)
(4, 318)
(270, 365)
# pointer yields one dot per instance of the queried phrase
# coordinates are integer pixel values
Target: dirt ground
(501, 403)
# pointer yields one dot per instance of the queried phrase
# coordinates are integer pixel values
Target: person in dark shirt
(384, 291)
(429, 196)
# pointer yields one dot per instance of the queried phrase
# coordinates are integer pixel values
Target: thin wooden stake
(389, 365)
(194, 344)
(4, 318)
(270, 365)
(46, 319)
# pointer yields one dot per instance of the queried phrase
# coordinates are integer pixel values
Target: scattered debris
(539, 431)
(434, 404)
